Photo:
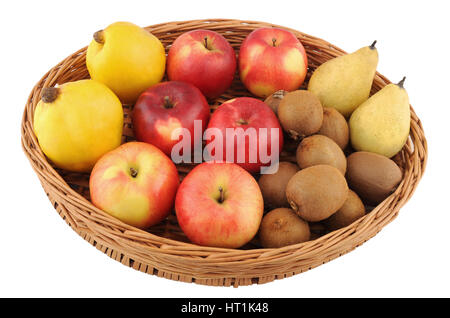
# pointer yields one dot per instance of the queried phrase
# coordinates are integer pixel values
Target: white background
(40, 256)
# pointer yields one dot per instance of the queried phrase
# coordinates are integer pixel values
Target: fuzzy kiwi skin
(274, 100)
(335, 126)
(316, 192)
(372, 176)
(282, 227)
(352, 210)
(318, 149)
(273, 186)
(300, 113)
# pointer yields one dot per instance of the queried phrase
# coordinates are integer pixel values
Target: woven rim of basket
(207, 265)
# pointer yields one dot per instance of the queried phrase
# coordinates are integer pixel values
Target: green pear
(381, 124)
(344, 82)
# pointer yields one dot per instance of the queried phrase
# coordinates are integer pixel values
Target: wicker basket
(164, 250)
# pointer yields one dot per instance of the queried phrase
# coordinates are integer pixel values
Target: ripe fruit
(135, 183)
(219, 204)
(273, 186)
(126, 58)
(344, 82)
(382, 123)
(318, 149)
(315, 193)
(77, 122)
(166, 106)
(335, 127)
(282, 227)
(372, 176)
(352, 210)
(300, 113)
(271, 59)
(203, 58)
(250, 134)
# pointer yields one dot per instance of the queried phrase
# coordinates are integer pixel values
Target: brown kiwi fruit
(318, 149)
(274, 100)
(352, 210)
(282, 227)
(335, 126)
(372, 176)
(300, 113)
(316, 192)
(273, 186)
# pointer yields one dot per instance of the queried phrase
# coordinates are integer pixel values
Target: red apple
(135, 183)
(248, 133)
(219, 204)
(271, 59)
(165, 107)
(203, 58)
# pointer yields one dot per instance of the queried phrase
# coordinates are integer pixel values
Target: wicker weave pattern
(164, 250)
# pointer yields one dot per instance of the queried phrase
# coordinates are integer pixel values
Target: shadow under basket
(164, 250)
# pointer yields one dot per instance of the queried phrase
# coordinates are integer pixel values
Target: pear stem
(400, 84)
(372, 46)
(49, 94)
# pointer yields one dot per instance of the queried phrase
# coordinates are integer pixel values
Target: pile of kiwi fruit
(326, 185)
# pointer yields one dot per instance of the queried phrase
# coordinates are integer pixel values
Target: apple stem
(221, 198)
(49, 94)
(400, 84)
(133, 172)
(372, 46)
(274, 41)
(242, 121)
(99, 37)
(167, 103)
(206, 42)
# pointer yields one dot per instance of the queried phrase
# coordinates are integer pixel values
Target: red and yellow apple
(272, 59)
(203, 58)
(135, 183)
(165, 107)
(219, 204)
(250, 134)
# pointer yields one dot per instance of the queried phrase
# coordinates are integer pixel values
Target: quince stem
(49, 94)
(99, 37)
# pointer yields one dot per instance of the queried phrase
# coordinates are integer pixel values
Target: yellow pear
(344, 82)
(381, 124)
(126, 58)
